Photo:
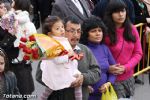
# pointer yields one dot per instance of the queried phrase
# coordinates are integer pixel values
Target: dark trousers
(64, 94)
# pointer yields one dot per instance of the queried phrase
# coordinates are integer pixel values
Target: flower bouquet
(8, 22)
(40, 46)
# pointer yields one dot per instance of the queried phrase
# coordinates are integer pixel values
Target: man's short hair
(72, 19)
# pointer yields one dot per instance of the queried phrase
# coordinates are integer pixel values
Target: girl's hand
(113, 69)
(117, 69)
(121, 70)
(91, 90)
(79, 80)
(70, 53)
(102, 89)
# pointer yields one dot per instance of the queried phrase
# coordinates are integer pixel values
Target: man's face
(73, 33)
(2, 9)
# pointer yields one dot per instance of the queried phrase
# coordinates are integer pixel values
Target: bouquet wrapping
(40, 46)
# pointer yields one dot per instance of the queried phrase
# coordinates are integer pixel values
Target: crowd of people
(102, 31)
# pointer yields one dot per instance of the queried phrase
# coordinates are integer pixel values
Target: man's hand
(78, 82)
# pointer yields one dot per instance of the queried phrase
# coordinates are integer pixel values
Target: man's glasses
(74, 32)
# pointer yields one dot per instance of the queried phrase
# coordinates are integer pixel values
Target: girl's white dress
(24, 27)
(58, 73)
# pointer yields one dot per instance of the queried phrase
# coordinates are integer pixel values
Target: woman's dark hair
(1, 1)
(3, 54)
(22, 5)
(116, 6)
(8, 6)
(89, 24)
(49, 22)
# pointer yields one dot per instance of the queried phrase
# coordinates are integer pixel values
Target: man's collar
(77, 48)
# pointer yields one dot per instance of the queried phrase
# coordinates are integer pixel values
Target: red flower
(35, 50)
(35, 56)
(28, 51)
(23, 39)
(25, 49)
(31, 38)
(22, 45)
(26, 57)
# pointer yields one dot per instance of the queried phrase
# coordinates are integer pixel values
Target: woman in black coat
(41, 10)
(142, 16)
(141, 12)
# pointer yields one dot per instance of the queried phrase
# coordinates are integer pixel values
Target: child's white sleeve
(23, 17)
(61, 59)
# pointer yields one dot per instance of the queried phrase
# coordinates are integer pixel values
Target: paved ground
(142, 92)
(38, 87)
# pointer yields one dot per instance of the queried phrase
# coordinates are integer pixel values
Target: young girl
(24, 27)
(124, 43)
(8, 81)
(58, 73)
(93, 35)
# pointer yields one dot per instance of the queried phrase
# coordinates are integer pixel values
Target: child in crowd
(58, 73)
(8, 81)
(24, 26)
